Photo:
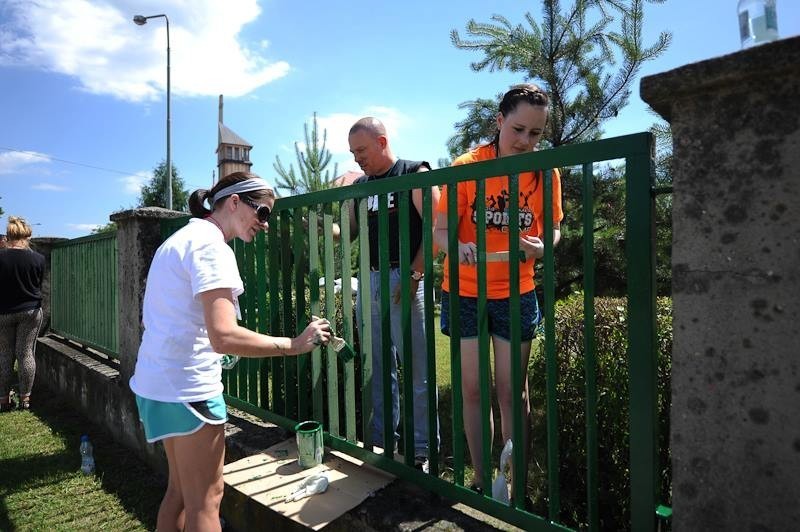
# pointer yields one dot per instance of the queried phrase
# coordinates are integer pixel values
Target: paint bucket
(309, 443)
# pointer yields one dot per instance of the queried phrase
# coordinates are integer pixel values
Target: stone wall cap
(146, 212)
(47, 240)
(660, 91)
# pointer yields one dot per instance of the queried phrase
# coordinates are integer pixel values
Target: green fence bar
(294, 310)
(405, 258)
(590, 360)
(386, 325)
(314, 275)
(251, 364)
(261, 366)
(427, 248)
(347, 322)
(554, 504)
(282, 398)
(274, 269)
(484, 367)
(364, 292)
(330, 313)
(455, 333)
(518, 431)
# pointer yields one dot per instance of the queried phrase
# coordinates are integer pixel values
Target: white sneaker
(421, 463)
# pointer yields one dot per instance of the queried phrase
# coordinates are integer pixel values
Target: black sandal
(24, 404)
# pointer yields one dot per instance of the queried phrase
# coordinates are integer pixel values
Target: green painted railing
(282, 269)
(84, 291)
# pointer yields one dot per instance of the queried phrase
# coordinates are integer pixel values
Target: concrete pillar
(735, 427)
(138, 237)
(44, 245)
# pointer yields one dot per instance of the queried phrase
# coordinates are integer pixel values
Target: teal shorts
(164, 420)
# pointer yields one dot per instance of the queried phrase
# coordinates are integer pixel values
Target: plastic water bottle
(87, 456)
(758, 22)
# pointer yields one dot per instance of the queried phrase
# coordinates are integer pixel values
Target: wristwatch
(417, 276)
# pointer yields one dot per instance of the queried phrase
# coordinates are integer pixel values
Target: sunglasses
(262, 211)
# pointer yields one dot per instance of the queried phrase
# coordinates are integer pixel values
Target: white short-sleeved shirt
(176, 362)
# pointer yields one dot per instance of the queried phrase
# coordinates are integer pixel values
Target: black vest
(400, 167)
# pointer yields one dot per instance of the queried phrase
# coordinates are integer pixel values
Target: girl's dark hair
(524, 92)
(197, 201)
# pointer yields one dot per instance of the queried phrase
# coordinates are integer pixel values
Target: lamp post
(141, 21)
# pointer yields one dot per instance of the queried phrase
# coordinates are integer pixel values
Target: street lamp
(141, 21)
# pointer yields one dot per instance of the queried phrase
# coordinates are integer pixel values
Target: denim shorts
(498, 316)
(164, 420)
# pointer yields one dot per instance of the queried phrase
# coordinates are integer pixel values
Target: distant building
(233, 152)
(347, 178)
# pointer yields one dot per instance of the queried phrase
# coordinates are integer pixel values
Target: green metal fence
(282, 269)
(84, 291)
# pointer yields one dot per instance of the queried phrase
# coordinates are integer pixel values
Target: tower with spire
(233, 152)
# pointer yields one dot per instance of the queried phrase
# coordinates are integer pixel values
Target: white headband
(248, 185)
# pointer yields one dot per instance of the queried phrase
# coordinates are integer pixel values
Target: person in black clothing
(21, 275)
(369, 145)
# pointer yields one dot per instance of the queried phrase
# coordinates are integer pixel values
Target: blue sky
(80, 83)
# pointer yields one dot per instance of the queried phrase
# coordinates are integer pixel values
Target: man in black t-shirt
(369, 145)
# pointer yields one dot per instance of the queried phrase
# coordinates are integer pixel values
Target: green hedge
(613, 408)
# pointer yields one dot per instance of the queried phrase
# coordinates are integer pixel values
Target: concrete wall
(45, 247)
(94, 384)
(736, 287)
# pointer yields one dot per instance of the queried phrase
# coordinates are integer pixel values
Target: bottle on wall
(758, 22)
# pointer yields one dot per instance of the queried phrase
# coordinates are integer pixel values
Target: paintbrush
(343, 350)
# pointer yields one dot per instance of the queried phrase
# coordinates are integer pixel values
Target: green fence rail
(84, 291)
(282, 272)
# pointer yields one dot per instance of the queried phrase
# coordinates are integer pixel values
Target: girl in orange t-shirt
(520, 123)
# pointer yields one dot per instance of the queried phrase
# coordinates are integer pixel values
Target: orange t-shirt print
(531, 218)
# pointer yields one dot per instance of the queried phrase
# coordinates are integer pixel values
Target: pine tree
(573, 54)
(154, 193)
(311, 162)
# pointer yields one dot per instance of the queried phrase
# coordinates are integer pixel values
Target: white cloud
(97, 42)
(133, 184)
(13, 162)
(49, 187)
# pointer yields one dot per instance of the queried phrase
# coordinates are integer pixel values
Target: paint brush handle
(502, 256)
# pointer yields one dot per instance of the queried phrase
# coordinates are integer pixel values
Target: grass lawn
(41, 486)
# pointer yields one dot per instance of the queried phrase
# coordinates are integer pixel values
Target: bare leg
(473, 424)
(171, 514)
(502, 367)
(199, 458)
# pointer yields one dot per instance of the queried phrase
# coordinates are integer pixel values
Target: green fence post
(642, 363)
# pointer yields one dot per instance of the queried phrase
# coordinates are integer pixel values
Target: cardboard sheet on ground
(270, 477)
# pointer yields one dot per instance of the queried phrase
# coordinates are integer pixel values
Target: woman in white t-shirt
(190, 319)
